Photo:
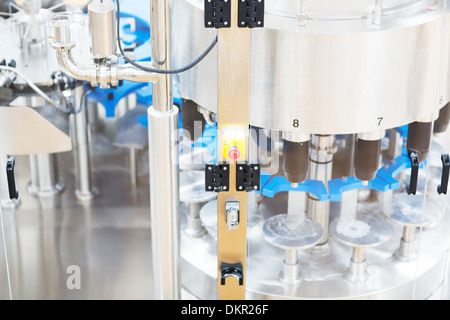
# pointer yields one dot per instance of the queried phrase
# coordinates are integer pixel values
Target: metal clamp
(412, 188)
(217, 14)
(217, 177)
(231, 270)
(251, 14)
(232, 215)
(10, 164)
(442, 188)
(248, 177)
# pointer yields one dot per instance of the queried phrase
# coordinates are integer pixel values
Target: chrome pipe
(45, 180)
(71, 68)
(105, 73)
(161, 53)
(133, 167)
(129, 73)
(321, 166)
(81, 153)
(163, 159)
(164, 203)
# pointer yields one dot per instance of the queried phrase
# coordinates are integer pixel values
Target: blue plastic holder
(138, 9)
(208, 140)
(389, 173)
(402, 130)
(338, 186)
(265, 178)
(280, 184)
(140, 33)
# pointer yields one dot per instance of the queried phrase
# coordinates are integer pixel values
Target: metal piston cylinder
(102, 28)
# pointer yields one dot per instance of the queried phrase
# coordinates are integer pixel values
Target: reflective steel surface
(107, 243)
(333, 76)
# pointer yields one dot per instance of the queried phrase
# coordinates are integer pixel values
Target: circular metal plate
(292, 231)
(365, 230)
(414, 210)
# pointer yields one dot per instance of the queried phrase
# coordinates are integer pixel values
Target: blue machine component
(280, 184)
(338, 186)
(389, 173)
(402, 130)
(208, 140)
(135, 31)
(265, 178)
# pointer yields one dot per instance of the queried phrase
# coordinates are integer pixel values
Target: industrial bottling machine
(291, 149)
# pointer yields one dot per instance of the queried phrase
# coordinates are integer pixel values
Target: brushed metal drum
(333, 76)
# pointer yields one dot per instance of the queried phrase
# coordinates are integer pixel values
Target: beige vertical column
(233, 128)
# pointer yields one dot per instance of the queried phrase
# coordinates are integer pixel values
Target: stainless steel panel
(335, 77)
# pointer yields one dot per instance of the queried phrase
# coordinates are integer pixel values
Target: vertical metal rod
(164, 204)
(44, 176)
(81, 153)
(296, 206)
(409, 233)
(321, 165)
(133, 167)
(163, 163)
(358, 255)
(47, 177)
(161, 54)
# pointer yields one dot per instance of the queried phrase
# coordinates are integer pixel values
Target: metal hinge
(217, 177)
(248, 177)
(217, 14)
(251, 14)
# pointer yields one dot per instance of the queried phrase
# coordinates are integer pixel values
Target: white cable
(32, 85)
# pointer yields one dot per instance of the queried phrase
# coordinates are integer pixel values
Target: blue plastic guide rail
(392, 170)
(338, 186)
(280, 184)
